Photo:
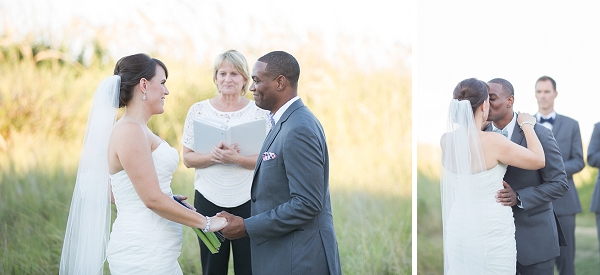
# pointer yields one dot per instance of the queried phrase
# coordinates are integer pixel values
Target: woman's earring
(144, 97)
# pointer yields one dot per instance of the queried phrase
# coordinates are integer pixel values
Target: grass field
(43, 111)
(429, 232)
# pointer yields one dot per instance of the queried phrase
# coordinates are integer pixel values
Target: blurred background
(519, 41)
(356, 62)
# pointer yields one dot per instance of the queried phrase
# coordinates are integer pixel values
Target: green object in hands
(209, 239)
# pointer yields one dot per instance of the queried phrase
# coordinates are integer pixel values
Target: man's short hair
(545, 78)
(282, 63)
(506, 86)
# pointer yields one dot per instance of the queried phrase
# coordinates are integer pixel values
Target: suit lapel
(558, 121)
(517, 135)
(275, 131)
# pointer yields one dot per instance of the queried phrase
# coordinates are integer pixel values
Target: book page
(249, 136)
(207, 135)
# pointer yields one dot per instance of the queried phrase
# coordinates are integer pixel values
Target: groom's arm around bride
(538, 234)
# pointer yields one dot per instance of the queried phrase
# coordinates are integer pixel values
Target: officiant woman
(223, 177)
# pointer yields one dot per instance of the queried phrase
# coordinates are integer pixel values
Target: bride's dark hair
(131, 69)
(473, 90)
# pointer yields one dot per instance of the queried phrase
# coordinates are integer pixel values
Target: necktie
(549, 120)
(271, 120)
(503, 132)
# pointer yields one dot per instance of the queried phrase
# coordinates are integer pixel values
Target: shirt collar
(283, 108)
(551, 115)
(511, 125)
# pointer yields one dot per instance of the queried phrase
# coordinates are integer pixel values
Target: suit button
(253, 199)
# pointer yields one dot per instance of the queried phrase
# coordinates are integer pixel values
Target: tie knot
(549, 120)
(503, 132)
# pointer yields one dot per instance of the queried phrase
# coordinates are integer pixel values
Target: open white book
(209, 133)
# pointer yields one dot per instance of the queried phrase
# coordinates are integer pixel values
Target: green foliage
(44, 100)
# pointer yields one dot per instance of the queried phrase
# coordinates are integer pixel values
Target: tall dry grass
(44, 100)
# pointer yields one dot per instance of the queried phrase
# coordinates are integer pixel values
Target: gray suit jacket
(593, 159)
(537, 230)
(291, 227)
(567, 135)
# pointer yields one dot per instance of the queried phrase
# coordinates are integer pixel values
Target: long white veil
(88, 226)
(462, 156)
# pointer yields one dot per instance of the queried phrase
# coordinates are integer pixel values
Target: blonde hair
(238, 61)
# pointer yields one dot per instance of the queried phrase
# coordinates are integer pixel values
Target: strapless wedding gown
(479, 234)
(142, 242)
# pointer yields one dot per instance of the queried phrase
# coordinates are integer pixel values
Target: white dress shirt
(283, 108)
(547, 124)
(510, 127)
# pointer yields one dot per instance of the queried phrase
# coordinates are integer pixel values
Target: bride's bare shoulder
(493, 140)
(126, 129)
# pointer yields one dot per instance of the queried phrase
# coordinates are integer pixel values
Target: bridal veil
(88, 225)
(462, 156)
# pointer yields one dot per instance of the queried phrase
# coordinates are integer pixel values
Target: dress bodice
(480, 187)
(479, 233)
(141, 241)
(165, 160)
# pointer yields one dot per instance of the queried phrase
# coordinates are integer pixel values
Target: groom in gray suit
(529, 192)
(567, 135)
(291, 227)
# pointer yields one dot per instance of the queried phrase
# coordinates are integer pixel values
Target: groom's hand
(506, 196)
(235, 228)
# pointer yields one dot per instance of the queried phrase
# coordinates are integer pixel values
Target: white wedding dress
(142, 242)
(479, 233)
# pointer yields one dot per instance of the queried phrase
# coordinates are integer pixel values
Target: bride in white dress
(138, 165)
(479, 232)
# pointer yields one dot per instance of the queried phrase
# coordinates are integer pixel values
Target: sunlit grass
(365, 113)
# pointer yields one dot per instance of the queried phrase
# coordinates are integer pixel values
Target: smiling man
(291, 227)
(567, 135)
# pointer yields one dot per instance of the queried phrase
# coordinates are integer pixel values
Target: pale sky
(371, 29)
(516, 40)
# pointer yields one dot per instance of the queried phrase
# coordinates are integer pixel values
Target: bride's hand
(217, 223)
(525, 117)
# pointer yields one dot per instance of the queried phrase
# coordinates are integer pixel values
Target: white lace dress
(222, 184)
(479, 234)
(142, 242)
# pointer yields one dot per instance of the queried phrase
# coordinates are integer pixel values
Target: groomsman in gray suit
(529, 192)
(567, 135)
(593, 159)
(291, 227)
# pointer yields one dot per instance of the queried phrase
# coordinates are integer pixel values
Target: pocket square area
(268, 156)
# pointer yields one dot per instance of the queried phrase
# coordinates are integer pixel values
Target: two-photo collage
(299, 137)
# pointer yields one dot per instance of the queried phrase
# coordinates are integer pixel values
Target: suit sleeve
(554, 179)
(304, 163)
(574, 163)
(593, 153)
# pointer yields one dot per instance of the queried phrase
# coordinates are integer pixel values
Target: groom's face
(264, 88)
(500, 102)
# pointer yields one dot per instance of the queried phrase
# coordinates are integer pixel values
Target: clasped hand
(225, 154)
(525, 117)
(235, 227)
